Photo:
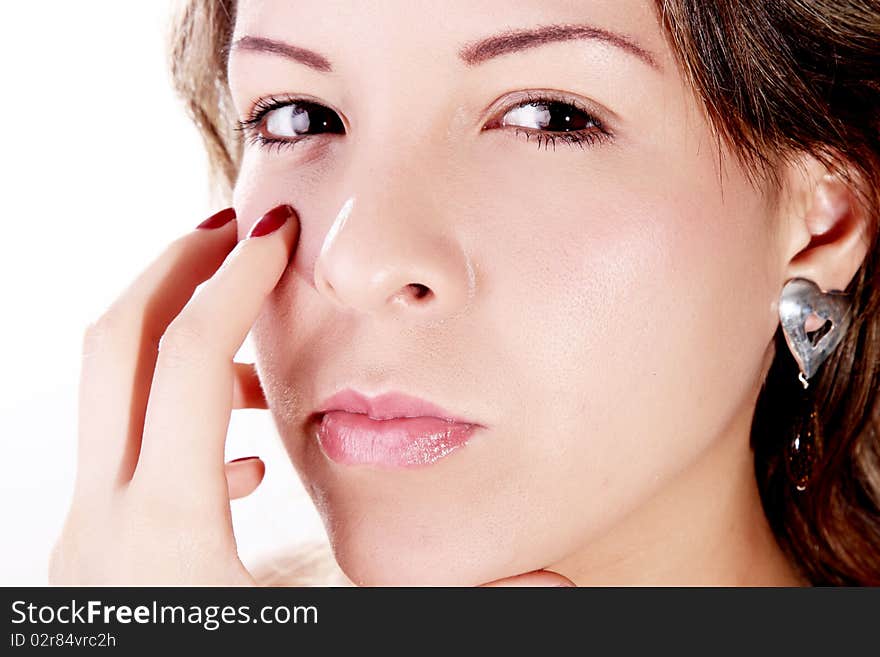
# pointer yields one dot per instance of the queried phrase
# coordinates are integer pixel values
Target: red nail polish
(244, 458)
(271, 221)
(219, 219)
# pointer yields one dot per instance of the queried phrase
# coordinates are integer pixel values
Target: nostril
(420, 290)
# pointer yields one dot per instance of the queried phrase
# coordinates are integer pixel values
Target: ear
(827, 229)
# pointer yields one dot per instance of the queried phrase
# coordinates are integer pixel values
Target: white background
(100, 169)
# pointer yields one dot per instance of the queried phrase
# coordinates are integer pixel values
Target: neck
(706, 527)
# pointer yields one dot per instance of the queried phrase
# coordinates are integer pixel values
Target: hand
(157, 386)
(534, 578)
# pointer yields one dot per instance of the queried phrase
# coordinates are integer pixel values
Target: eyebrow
(305, 56)
(516, 40)
(472, 54)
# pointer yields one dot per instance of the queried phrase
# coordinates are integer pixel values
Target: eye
(284, 122)
(298, 119)
(547, 119)
(551, 115)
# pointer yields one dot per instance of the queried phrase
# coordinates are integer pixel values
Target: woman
(596, 350)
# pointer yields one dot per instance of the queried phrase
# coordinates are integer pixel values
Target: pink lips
(392, 430)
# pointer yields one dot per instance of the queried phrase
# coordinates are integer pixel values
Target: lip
(387, 406)
(392, 430)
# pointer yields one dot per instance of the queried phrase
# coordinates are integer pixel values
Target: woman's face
(603, 309)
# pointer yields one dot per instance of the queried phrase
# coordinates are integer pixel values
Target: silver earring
(800, 299)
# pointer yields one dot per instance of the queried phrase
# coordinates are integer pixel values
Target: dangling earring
(800, 299)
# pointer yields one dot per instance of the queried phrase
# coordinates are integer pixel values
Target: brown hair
(781, 79)
(777, 80)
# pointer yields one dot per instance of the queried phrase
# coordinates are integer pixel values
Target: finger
(244, 475)
(119, 351)
(191, 399)
(533, 578)
(247, 391)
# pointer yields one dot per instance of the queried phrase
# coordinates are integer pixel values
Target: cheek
(267, 181)
(630, 322)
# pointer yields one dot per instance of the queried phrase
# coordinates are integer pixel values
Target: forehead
(426, 26)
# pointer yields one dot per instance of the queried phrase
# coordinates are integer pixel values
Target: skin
(606, 314)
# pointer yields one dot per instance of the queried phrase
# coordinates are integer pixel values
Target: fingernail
(219, 219)
(271, 221)
(244, 458)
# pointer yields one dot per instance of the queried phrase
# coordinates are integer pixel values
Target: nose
(391, 253)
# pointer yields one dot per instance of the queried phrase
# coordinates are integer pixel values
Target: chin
(375, 550)
(453, 523)
(372, 554)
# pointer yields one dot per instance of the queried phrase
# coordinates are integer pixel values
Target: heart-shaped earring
(800, 299)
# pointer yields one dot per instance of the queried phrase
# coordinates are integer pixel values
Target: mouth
(392, 431)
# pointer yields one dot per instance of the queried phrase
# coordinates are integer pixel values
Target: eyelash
(251, 126)
(599, 135)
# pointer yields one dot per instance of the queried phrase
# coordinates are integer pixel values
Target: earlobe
(836, 231)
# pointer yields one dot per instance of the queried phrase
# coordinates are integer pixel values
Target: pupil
(315, 118)
(564, 118)
(304, 118)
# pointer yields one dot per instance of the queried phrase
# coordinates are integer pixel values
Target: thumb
(533, 578)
